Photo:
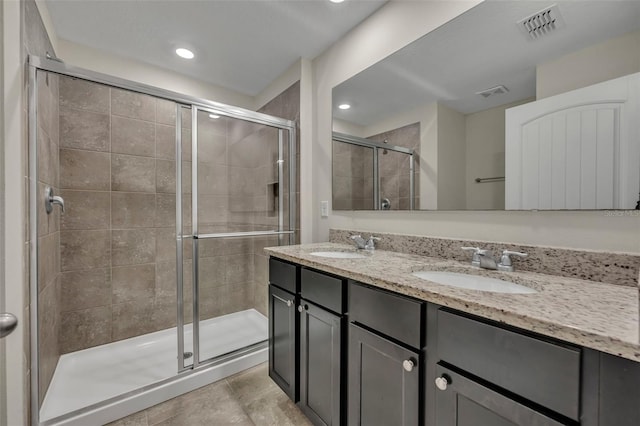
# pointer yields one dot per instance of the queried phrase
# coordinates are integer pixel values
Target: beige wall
(451, 159)
(603, 61)
(403, 22)
(348, 128)
(429, 157)
(484, 132)
(588, 230)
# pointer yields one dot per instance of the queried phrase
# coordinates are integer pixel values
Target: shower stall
(149, 211)
(375, 175)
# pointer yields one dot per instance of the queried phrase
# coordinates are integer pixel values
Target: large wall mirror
(516, 105)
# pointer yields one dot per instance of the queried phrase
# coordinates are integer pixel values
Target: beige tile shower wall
(117, 239)
(32, 37)
(394, 167)
(362, 163)
(342, 185)
(49, 300)
(286, 105)
(225, 200)
(352, 177)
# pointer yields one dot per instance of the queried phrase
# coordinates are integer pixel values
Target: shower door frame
(376, 146)
(182, 101)
(195, 234)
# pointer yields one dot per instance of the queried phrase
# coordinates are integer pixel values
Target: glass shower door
(184, 242)
(240, 204)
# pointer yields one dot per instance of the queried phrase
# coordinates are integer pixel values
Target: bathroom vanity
(362, 341)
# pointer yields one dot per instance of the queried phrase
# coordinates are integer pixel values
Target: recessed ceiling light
(213, 116)
(344, 106)
(336, 1)
(184, 53)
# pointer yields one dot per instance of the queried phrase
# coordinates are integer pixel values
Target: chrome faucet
(484, 259)
(371, 243)
(487, 261)
(363, 244)
(505, 260)
(475, 260)
(360, 242)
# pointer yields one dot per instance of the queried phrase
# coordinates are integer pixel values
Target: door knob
(442, 382)
(289, 303)
(8, 323)
(408, 364)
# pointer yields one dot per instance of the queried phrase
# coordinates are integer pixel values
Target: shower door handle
(8, 323)
(50, 199)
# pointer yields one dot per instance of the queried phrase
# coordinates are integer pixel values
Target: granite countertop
(594, 315)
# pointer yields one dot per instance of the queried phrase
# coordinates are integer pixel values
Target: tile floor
(248, 398)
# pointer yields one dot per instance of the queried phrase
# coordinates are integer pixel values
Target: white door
(576, 150)
(13, 371)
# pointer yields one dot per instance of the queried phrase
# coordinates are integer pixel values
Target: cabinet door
(463, 402)
(282, 340)
(383, 388)
(320, 364)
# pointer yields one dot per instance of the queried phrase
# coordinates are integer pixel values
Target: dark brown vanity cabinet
(498, 376)
(385, 357)
(283, 326)
(545, 372)
(322, 333)
(402, 361)
(462, 401)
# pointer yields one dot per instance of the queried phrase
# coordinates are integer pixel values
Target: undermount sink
(474, 282)
(338, 254)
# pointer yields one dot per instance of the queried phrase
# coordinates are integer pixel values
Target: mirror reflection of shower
(373, 173)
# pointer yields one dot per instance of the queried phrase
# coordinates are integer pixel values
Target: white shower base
(95, 375)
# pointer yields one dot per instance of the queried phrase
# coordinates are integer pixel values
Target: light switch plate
(324, 208)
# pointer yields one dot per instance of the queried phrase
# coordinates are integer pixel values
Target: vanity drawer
(324, 290)
(541, 371)
(391, 314)
(283, 274)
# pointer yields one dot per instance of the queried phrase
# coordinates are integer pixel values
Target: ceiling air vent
(498, 90)
(542, 23)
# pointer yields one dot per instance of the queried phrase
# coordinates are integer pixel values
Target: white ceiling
(242, 45)
(478, 50)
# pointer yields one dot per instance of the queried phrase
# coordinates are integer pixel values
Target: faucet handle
(506, 256)
(371, 242)
(474, 249)
(505, 259)
(359, 241)
(475, 260)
